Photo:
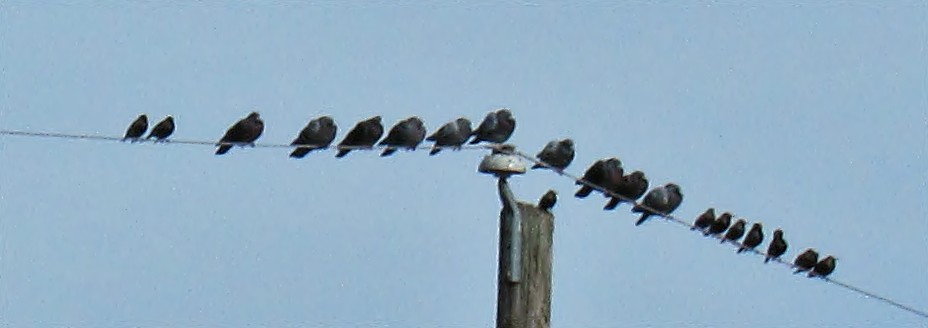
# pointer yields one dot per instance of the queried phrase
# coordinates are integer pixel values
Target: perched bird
(317, 134)
(496, 127)
(408, 134)
(547, 200)
(598, 173)
(364, 134)
(245, 131)
(806, 260)
(557, 153)
(454, 134)
(664, 199)
(719, 225)
(632, 187)
(163, 129)
(735, 232)
(777, 246)
(137, 129)
(754, 237)
(704, 220)
(824, 267)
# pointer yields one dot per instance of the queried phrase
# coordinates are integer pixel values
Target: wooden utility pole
(524, 278)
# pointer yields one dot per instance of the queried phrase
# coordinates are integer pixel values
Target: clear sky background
(810, 116)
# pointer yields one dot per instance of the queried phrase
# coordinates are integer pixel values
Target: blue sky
(809, 116)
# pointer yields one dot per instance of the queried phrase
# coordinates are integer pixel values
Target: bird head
(568, 143)
(169, 118)
(778, 233)
(672, 187)
(710, 210)
(462, 121)
(377, 119)
(504, 114)
(143, 117)
(637, 174)
(741, 222)
(254, 115)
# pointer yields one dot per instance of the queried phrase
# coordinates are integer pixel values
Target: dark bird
(547, 200)
(704, 220)
(735, 232)
(364, 134)
(632, 187)
(806, 260)
(777, 246)
(453, 134)
(317, 134)
(824, 267)
(163, 129)
(719, 225)
(754, 237)
(664, 199)
(496, 127)
(600, 173)
(137, 129)
(243, 132)
(407, 134)
(557, 153)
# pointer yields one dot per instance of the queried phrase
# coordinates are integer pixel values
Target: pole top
(502, 162)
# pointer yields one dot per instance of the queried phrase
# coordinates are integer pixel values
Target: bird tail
(583, 192)
(342, 153)
(300, 152)
(811, 273)
(766, 259)
(612, 204)
(741, 249)
(475, 141)
(799, 270)
(223, 149)
(434, 150)
(388, 151)
(644, 217)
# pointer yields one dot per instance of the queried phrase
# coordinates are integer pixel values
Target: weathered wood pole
(524, 278)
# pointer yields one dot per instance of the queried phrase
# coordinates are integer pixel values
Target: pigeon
(806, 260)
(408, 134)
(719, 225)
(735, 232)
(318, 134)
(824, 267)
(754, 237)
(598, 173)
(454, 134)
(137, 129)
(245, 131)
(496, 127)
(777, 246)
(364, 134)
(163, 129)
(547, 201)
(557, 153)
(704, 220)
(632, 187)
(664, 199)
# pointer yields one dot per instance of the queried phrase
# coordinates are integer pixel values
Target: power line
(528, 157)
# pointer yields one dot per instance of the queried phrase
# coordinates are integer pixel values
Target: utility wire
(528, 157)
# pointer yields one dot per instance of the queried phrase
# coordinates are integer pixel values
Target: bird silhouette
(407, 134)
(163, 129)
(719, 225)
(735, 232)
(364, 134)
(754, 237)
(243, 132)
(317, 134)
(137, 129)
(496, 127)
(596, 173)
(777, 246)
(664, 199)
(547, 200)
(558, 154)
(454, 134)
(632, 187)
(806, 260)
(824, 267)
(704, 220)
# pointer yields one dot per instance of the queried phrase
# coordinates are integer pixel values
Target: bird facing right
(558, 154)
(547, 201)
(453, 134)
(364, 134)
(806, 261)
(754, 237)
(777, 246)
(243, 132)
(137, 128)
(735, 232)
(664, 199)
(163, 129)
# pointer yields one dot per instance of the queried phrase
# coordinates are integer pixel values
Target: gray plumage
(632, 186)
(496, 127)
(704, 220)
(824, 267)
(243, 132)
(547, 200)
(163, 129)
(806, 260)
(754, 237)
(719, 225)
(664, 199)
(557, 153)
(452, 134)
(407, 134)
(317, 134)
(777, 246)
(600, 173)
(364, 134)
(137, 128)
